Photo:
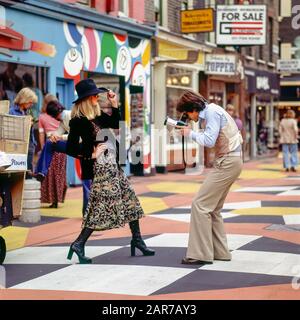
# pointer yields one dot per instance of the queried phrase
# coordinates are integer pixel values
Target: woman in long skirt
(112, 201)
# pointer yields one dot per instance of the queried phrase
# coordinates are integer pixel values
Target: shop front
(53, 46)
(221, 83)
(171, 80)
(262, 89)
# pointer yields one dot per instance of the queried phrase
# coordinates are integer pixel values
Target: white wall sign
(18, 162)
(220, 64)
(262, 83)
(292, 65)
(241, 24)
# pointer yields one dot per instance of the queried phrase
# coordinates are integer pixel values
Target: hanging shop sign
(220, 64)
(259, 81)
(201, 20)
(241, 25)
(292, 66)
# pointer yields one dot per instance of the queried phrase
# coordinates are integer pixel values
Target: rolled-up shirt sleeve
(209, 136)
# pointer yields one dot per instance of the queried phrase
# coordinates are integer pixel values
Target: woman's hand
(112, 97)
(99, 150)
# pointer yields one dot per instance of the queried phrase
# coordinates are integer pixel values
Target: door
(65, 95)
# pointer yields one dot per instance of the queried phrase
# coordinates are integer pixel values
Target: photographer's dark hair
(54, 108)
(191, 101)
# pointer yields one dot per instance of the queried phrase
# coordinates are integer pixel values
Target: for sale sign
(241, 25)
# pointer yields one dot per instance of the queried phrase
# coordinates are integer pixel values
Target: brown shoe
(222, 259)
(194, 261)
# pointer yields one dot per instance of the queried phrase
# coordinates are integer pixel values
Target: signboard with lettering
(220, 64)
(18, 162)
(241, 24)
(201, 20)
(291, 66)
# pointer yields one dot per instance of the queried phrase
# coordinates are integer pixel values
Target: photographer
(207, 240)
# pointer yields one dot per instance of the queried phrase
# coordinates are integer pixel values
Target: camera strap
(183, 155)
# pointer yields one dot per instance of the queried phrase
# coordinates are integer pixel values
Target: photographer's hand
(184, 131)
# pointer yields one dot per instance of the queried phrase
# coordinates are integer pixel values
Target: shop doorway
(65, 92)
(135, 153)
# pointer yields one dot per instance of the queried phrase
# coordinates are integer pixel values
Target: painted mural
(66, 49)
(96, 51)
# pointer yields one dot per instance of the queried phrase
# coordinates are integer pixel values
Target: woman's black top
(82, 127)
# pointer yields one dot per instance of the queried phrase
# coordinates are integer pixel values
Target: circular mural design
(124, 63)
(120, 39)
(109, 52)
(108, 65)
(73, 62)
(138, 77)
(135, 46)
(146, 56)
(91, 49)
(73, 33)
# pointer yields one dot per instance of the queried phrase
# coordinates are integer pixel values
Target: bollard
(31, 202)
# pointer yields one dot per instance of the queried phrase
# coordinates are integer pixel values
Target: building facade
(56, 44)
(289, 66)
(252, 85)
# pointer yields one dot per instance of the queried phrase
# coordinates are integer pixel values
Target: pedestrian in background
(24, 100)
(46, 123)
(288, 130)
(54, 186)
(233, 113)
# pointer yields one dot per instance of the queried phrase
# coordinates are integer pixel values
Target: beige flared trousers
(207, 238)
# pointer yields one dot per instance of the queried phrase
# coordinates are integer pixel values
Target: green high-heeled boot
(78, 246)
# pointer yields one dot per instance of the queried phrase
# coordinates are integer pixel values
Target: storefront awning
(171, 51)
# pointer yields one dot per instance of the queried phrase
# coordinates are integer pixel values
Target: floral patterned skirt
(112, 202)
(54, 186)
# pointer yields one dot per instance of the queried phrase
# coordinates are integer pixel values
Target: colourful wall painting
(67, 49)
(96, 51)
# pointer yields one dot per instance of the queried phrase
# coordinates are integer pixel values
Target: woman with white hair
(24, 100)
(288, 130)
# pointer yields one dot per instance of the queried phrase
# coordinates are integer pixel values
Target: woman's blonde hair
(85, 108)
(25, 95)
(48, 98)
(291, 114)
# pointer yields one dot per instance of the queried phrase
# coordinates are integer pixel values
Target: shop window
(14, 77)
(158, 15)
(161, 12)
(178, 81)
(124, 7)
(261, 52)
(187, 4)
(290, 93)
(270, 36)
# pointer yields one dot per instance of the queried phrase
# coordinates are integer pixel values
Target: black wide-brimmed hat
(86, 88)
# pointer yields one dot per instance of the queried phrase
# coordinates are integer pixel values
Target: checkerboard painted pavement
(262, 221)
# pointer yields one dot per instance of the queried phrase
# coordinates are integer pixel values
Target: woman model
(112, 201)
